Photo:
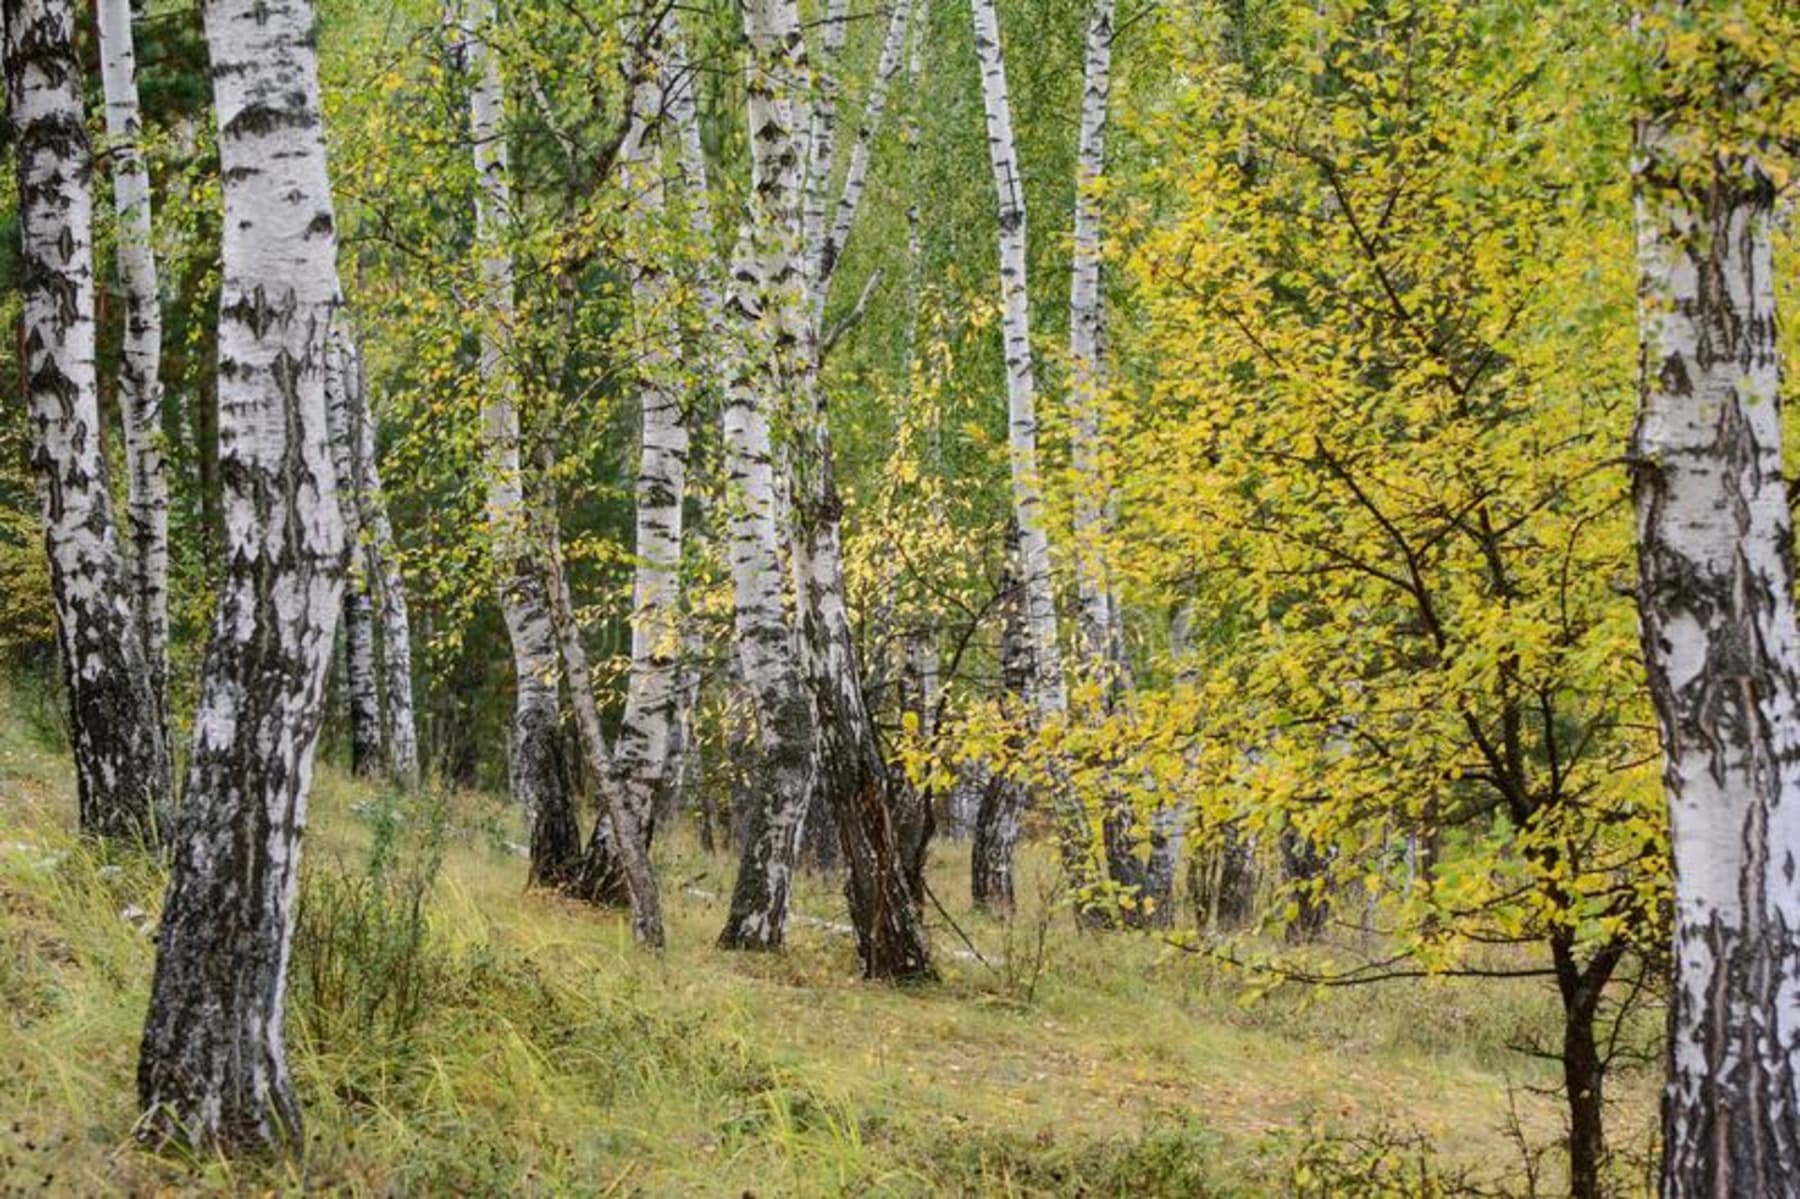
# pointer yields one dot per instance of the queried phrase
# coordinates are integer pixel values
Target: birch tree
(1716, 588)
(1048, 695)
(140, 359)
(641, 756)
(213, 1068)
(1086, 316)
(362, 684)
(539, 773)
(400, 728)
(121, 754)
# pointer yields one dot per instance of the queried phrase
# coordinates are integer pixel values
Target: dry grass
(533, 1049)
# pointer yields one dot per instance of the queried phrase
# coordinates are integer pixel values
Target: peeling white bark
(121, 753)
(1047, 691)
(1715, 544)
(213, 1068)
(140, 384)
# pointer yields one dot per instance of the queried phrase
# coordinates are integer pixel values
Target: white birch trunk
(363, 685)
(821, 144)
(641, 756)
(856, 174)
(121, 752)
(140, 383)
(1715, 547)
(784, 712)
(213, 1068)
(1047, 692)
(400, 730)
(539, 776)
(1092, 489)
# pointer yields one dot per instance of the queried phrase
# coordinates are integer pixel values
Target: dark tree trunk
(1222, 884)
(213, 1068)
(996, 843)
(543, 778)
(1303, 864)
(1001, 812)
(121, 755)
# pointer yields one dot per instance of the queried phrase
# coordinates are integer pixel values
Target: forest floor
(453, 1034)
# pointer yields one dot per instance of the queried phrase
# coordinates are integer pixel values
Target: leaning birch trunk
(140, 358)
(1048, 696)
(821, 145)
(618, 822)
(641, 756)
(363, 687)
(1716, 599)
(539, 774)
(121, 752)
(856, 175)
(400, 732)
(213, 1069)
(1092, 576)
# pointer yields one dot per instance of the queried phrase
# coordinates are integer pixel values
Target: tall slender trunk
(1048, 695)
(766, 815)
(400, 732)
(821, 147)
(213, 1068)
(767, 276)
(1092, 491)
(140, 383)
(641, 756)
(121, 752)
(363, 686)
(539, 771)
(1716, 588)
(784, 711)
(862, 150)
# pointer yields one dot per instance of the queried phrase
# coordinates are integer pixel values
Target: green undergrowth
(453, 1034)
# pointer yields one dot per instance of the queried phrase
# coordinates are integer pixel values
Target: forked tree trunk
(140, 359)
(539, 771)
(213, 1069)
(1716, 600)
(1047, 692)
(400, 730)
(121, 752)
(363, 686)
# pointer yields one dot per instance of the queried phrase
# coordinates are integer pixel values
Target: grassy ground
(451, 1034)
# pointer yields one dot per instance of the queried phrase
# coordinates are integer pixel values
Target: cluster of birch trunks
(307, 542)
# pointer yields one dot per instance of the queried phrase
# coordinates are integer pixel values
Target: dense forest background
(1199, 445)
